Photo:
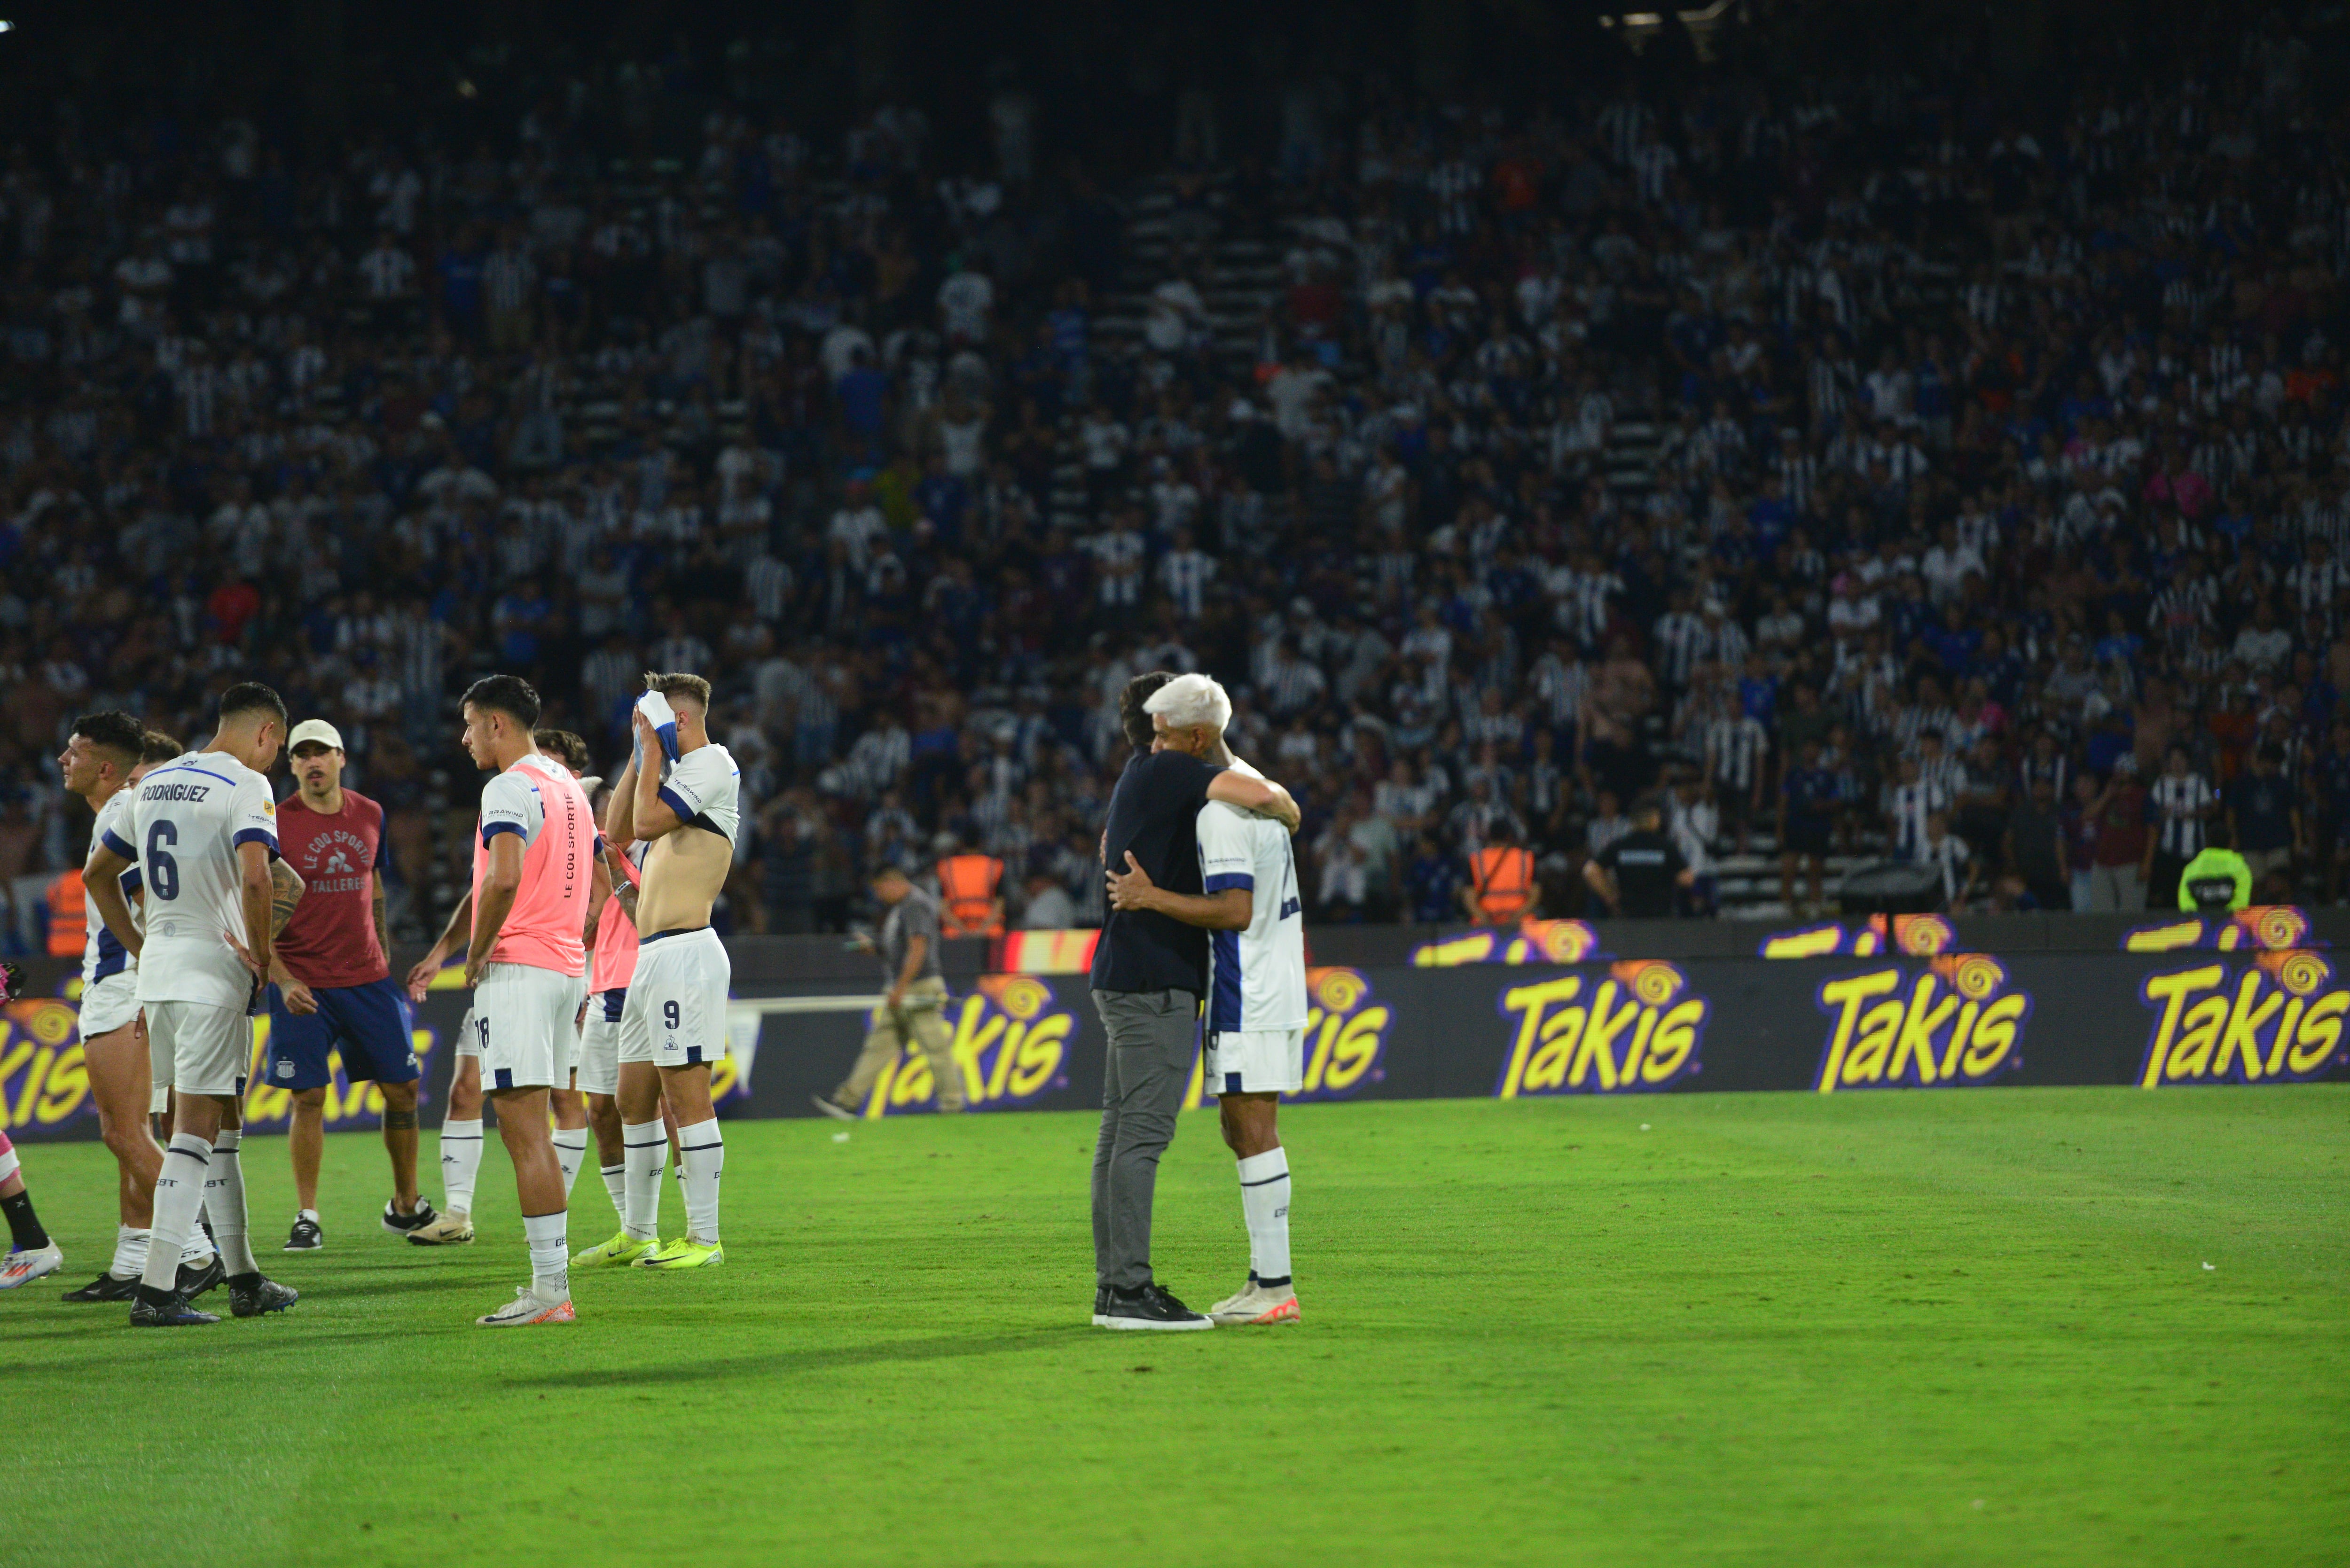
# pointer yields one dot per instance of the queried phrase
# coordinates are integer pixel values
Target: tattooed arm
(285, 889)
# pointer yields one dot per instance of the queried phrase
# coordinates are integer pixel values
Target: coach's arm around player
(1225, 909)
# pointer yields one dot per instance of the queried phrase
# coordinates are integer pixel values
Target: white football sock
(461, 1161)
(224, 1201)
(570, 1153)
(550, 1254)
(645, 1144)
(1264, 1203)
(615, 1182)
(178, 1193)
(704, 1154)
(129, 1252)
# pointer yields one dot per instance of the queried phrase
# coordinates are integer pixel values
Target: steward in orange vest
(1502, 891)
(968, 889)
(68, 917)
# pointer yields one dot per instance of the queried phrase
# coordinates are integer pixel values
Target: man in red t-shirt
(333, 981)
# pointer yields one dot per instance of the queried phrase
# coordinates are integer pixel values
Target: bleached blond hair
(1191, 700)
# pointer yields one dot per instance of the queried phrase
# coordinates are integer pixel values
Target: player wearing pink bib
(532, 869)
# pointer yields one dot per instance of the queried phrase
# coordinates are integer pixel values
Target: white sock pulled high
(1265, 1204)
(644, 1143)
(703, 1150)
(461, 1161)
(179, 1192)
(550, 1254)
(129, 1252)
(570, 1153)
(224, 1201)
(615, 1182)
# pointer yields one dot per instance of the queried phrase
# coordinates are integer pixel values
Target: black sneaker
(306, 1236)
(1152, 1307)
(195, 1279)
(162, 1309)
(1101, 1306)
(104, 1288)
(250, 1295)
(401, 1224)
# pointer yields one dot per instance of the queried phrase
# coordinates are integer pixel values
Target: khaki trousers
(920, 1026)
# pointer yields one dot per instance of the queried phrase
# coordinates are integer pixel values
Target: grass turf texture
(1917, 1328)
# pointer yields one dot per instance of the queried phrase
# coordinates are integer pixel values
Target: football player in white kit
(204, 829)
(673, 1022)
(461, 1125)
(1256, 1038)
(532, 868)
(104, 754)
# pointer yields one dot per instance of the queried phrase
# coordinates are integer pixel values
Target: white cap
(315, 730)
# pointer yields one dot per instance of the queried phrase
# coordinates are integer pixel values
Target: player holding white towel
(673, 1024)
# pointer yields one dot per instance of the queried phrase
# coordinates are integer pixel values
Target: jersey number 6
(162, 871)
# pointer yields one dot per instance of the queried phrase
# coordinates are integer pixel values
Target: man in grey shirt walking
(911, 1013)
(1149, 972)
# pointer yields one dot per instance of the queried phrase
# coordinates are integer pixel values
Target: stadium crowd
(1848, 465)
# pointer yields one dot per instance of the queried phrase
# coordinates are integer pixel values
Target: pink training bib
(615, 940)
(543, 928)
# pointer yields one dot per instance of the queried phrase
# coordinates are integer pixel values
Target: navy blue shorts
(369, 1022)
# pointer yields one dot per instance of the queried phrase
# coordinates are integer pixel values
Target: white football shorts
(676, 1013)
(209, 1048)
(522, 1028)
(599, 1042)
(110, 1003)
(1254, 1061)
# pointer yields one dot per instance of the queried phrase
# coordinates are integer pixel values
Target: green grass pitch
(1914, 1328)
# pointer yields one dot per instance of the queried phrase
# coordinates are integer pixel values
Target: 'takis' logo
(1008, 1040)
(1637, 1032)
(1957, 1025)
(2278, 1020)
(1345, 1033)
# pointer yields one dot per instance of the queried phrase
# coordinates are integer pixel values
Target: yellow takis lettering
(1966, 1026)
(2284, 1036)
(23, 1112)
(1640, 1030)
(1673, 1039)
(1599, 1036)
(1038, 1055)
(1529, 1002)
(1918, 1023)
(20, 1052)
(1818, 943)
(1847, 996)
(1473, 949)
(1324, 1026)
(2320, 1033)
(1357, 1047)
(1994, 1035)
(2172, 991)
(2241, 1038)
(977, 1085)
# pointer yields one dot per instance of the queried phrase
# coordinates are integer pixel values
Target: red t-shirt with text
(330, 941)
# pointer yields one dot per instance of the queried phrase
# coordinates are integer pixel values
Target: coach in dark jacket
(1149, 972)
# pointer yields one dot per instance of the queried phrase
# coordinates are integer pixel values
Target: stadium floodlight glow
(7, 25)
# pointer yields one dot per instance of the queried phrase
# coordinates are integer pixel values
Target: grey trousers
(1153, 1035)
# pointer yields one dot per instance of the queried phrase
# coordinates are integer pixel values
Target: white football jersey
(1256, 976)
(703, 788)
(101, 954)
(191, 816)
